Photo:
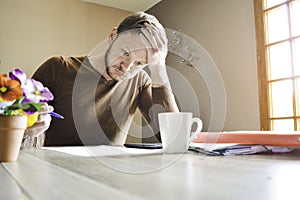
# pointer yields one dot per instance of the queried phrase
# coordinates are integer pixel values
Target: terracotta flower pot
(11, 134)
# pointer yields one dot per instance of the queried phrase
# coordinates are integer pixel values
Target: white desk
(42, 174)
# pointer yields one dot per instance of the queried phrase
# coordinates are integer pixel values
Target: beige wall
(33, 30)
(226, 30)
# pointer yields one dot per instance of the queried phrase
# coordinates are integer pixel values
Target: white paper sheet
(102, 150)
(237, 149)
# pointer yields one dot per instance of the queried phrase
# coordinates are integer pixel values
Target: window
(278, 56)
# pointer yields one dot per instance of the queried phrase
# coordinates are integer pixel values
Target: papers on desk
(236, 149)
(102, 150)
(270, 138)
(245, 142)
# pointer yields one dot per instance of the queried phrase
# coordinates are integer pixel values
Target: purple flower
(34, 91)
(18, 75)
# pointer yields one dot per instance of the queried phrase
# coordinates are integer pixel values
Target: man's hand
(156, 43)
(42, 124)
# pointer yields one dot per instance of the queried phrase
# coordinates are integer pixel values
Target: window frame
(262, 68)
(261, 65)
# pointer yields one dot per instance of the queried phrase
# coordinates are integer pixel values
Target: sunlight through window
(281, 99)
(283, 125)
(296, 48)
(297, 94)
(277, 24)
(271, 3)
(295, 18)
(279, 62)
(279, 74)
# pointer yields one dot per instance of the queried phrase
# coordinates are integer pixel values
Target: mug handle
(199, 123)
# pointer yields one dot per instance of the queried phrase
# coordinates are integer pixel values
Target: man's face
(126, 56)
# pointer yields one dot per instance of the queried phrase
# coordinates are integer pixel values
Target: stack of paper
(245, 142)
(236, 149)
(251, 137)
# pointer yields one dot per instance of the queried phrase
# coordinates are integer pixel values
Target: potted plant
(20, 100)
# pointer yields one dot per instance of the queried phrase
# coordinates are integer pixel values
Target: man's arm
(162, 98)
(156, 43)
(44, 118)
(155, 100)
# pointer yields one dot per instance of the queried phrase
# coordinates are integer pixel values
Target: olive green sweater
(97, 111)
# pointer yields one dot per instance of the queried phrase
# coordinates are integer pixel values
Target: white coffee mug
(175, 130)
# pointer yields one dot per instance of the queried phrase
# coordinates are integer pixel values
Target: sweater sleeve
(154, 101)
(47, 74)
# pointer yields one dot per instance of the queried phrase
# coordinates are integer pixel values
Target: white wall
(33, 30)
(226, 29)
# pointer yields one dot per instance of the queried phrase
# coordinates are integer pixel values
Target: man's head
(137, 21)
(128, 51)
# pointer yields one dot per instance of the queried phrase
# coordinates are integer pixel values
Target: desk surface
(42, 174)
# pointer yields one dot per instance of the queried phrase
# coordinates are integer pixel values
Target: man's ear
(113, 34)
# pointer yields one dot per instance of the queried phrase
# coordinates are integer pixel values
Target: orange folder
(251, 137)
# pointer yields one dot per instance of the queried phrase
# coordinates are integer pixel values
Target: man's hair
(137, 21)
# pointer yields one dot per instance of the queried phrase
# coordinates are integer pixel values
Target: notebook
(251, 137)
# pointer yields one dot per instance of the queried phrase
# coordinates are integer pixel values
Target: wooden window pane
(271, 3)
(281, 99)
(295, 18)
(283, 125)
(277, 25)
(279, 61)
(296, 50)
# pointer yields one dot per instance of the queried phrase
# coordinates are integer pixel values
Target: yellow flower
(32, 118)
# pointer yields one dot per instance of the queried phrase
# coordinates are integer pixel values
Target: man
(98, 95)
